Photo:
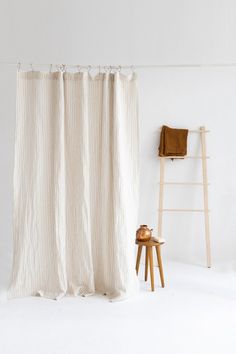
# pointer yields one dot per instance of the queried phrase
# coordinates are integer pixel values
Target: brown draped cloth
(173, 142)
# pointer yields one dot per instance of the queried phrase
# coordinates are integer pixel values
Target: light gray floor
(195, 313)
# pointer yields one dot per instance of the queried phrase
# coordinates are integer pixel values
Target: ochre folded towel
(173, 142)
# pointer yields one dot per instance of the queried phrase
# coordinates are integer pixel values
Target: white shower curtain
(75, 184)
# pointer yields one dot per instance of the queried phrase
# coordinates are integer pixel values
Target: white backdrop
(139, 32)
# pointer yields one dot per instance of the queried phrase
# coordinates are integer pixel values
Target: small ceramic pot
(143, 233)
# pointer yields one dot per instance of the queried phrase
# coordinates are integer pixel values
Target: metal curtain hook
(31, 65)
(78, 68)
(89, 68)
(18, 66)
(119, 68)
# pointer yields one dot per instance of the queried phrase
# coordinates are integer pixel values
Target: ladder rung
(186, 183)
(184, 157)
(196, 131)
(199, 131)
(183, 210)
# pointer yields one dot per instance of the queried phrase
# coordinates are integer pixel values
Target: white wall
(140, 32)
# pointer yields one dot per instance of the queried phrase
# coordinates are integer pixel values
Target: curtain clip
(18, 66)
(61, 68)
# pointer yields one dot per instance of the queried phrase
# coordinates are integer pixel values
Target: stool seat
(153, 242)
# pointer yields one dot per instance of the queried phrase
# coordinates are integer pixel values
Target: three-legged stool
(149, 259)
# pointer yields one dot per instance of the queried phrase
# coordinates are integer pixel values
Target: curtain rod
(144, 66)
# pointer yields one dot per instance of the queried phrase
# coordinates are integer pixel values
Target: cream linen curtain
(75, 184)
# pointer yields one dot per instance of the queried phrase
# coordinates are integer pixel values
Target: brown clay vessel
(143, 233)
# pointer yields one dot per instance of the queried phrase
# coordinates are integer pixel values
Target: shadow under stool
(149, 259)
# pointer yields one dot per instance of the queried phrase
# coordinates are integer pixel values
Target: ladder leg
(205, 194)
(161, 190)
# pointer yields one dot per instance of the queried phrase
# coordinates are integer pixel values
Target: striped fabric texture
(75, 185)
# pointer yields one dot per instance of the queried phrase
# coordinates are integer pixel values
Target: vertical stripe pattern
(75, 184)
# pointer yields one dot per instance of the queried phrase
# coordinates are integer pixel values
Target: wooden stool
(149, 259)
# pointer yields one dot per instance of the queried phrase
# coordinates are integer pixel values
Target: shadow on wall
(7, 142)
(5, 264)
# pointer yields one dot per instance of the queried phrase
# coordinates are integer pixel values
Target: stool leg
(158, 250)
(146, 264)
(138, 257)
(151, 267)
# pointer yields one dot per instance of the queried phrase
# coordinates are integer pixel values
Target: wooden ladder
(204, 184)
